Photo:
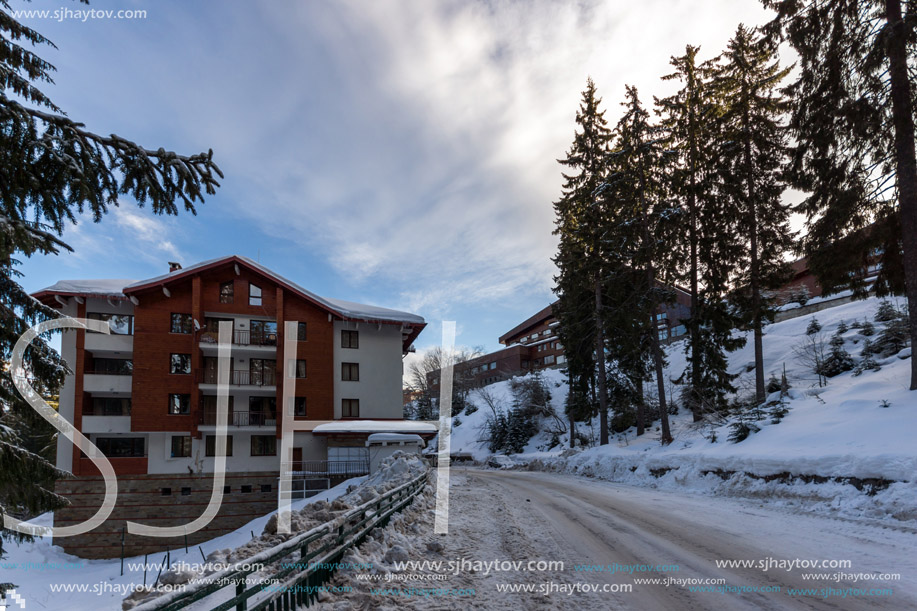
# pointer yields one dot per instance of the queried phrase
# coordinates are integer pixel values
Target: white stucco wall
(379, 356)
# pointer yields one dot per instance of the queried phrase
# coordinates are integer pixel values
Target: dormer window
(254, 294)
(226, 292)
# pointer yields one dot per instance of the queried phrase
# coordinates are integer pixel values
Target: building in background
(533, 344)
(145, 395)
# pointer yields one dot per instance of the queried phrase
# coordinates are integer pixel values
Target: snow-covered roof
(375, 426)
(348, 310)
(345, 309)
(104, 287)
(394, 438)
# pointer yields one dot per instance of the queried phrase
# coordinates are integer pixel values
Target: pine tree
(838, 360)
(644, 221)
(853, 122)
(755, 152)
(709, 244)
(52, 169)
(813, 327)
(580, 217)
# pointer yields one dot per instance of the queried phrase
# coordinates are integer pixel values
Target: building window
(254, 294)
(181, 446)
(301, 331)
(525, 363)
(265, 487)
(263, 445)
(493, 365)
(121, 447)
(558, 346)
(350, 339)
(263, 333)
(180, 363)
(549, 359)
(118, 324)
(561, 359)
(350, 372)
(246, 489)
(299, 368)
(181, 323)
(299, 407)
(179, 404)
(210, 445)
(165, 491)
(186, 491)
(226, 292)
(109, 406)
(350, 408)
(347, 454)
(227, 489)
(112, 367)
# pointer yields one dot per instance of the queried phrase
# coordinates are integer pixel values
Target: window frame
(353, 339)
(187, 404)
(184, 446)
(172, 356)
(252, 445)
(227, 297)
(185, 321)
(210, 446)
(106, 317)
(350, 372)
(302, 331)
(297, 401)
(347, 408)
(255, 300)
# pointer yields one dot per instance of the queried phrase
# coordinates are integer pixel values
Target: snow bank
(395, 470)
(857, 429)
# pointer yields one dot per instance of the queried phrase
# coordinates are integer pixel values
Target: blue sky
(395, 153)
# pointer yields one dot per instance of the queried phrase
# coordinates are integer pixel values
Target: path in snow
(512, 515)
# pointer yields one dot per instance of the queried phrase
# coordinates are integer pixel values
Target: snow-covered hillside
(858, 432)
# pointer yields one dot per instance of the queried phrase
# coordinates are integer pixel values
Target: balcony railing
(242, 338)
(209, 418)
(327, 468)
(241, 377)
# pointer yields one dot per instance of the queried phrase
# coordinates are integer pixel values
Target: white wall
(379, 356)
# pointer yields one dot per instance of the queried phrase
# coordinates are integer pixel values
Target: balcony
(243, 338)
(209, 418)
(107, 382)
(241, 377)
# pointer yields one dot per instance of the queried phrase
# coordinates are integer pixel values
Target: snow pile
(407, 536)
(395, 470)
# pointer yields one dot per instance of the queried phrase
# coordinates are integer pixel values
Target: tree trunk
(694, 327)
(572, 431)
(903, 119)
(600, 362)
(755, 271)
(641, 407)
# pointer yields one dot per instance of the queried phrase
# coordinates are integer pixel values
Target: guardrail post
(242, 605)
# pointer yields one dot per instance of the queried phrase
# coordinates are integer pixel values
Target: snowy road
(511, 515)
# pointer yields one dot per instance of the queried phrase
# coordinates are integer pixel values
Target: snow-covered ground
(37, 568)
(500, 521)
(858, 427)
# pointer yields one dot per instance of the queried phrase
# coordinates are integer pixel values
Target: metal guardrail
(326, 468)
(296, 584)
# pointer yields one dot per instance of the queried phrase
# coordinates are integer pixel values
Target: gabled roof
(345, 310)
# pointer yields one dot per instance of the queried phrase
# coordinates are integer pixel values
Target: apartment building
(145, 395)
(533, 344)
